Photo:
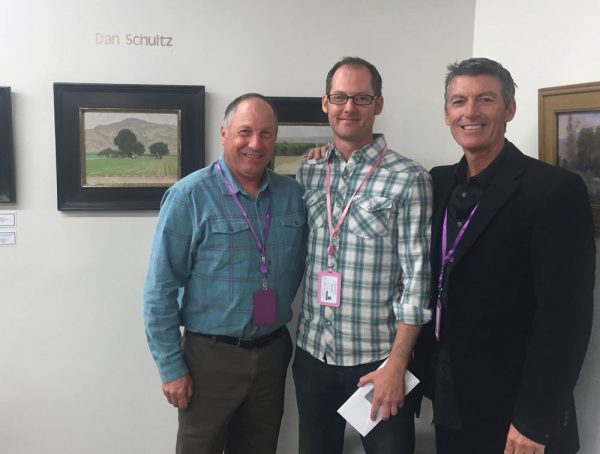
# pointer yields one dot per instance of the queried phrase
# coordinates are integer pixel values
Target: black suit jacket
(520, 299)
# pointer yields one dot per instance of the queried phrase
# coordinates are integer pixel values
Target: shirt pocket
(291, 221)
(289, 236)
(370, 216)
(316, 206)
(231, 240)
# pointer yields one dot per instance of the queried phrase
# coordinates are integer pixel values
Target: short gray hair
(233, 105)
(478, 67)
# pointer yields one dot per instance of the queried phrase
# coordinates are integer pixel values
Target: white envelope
(357, 409)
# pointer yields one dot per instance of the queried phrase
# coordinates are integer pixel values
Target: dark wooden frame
(299, 111)
(553, 101)
(70, 98)
(7, 161)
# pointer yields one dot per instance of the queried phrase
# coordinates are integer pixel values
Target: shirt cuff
(410, 314)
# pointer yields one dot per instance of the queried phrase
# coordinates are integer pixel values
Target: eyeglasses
(359, 100)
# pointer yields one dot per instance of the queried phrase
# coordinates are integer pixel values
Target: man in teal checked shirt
(233, 237)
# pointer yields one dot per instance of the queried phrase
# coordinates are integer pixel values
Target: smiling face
(352, 125)
(249, 142)
(477, 115)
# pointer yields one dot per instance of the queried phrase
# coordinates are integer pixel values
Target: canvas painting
(293, 141)
(130, 148)
(579, 147)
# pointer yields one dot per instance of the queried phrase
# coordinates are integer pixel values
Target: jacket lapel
(502, 187)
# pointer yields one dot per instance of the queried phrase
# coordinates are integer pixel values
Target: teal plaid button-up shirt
(203, 245)
(382, 253)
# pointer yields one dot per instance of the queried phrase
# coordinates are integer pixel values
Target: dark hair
(233, 105)
(482, 66)
(356, 62)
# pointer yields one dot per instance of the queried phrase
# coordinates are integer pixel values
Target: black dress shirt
(465, 196)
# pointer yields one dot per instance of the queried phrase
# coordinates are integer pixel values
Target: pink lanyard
(446, 258)
(334, 231)
(261, 245)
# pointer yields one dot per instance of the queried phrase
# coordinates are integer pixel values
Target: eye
(244, 132)
(266, 134)
(363, 99)
(338, 98)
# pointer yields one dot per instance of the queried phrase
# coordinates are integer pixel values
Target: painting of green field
(293, 141)
(140, 171)
(289, 156)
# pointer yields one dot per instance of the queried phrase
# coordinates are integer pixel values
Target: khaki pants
(237, 403)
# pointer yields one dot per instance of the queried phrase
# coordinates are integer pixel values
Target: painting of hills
(130, 148)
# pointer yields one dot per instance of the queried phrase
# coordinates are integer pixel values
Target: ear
(379, 105)
(223, 132)
(446, 119)
(510, 111)
(324, 104)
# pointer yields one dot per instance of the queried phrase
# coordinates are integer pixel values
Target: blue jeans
(322, 388)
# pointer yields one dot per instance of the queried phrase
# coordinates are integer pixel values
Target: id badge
(264, 310)
(329, 288)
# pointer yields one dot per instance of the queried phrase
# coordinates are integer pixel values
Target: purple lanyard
(334, 231)
(446, 258)
(261, 245)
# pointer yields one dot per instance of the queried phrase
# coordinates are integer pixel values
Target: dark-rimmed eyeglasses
(359, 100)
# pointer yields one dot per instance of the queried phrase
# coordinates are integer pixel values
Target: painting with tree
(302, 125)
(120, 146)
(569, 134)
(126, 148)
(579, 147)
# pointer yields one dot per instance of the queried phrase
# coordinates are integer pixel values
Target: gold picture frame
(568, 114)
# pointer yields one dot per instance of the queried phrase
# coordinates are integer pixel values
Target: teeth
(469, 127)
(252, 155)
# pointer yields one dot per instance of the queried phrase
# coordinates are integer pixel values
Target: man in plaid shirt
(367, 277)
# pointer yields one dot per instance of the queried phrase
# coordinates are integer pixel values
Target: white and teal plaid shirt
(382, 253)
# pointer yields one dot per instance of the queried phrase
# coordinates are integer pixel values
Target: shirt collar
(370, 152)
(267, 181)
(485, 177)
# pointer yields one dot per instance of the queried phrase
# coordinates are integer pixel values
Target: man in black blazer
(514, 305)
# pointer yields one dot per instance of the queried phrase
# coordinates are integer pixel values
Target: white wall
(545, 43)
(75, 374)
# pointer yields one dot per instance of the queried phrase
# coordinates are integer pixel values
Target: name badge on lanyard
(446, 257)
(264, 301)
(329, 281)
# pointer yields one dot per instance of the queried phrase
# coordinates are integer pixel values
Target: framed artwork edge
(7, 160)
(552, 101)
(297, 111)
(70, 99)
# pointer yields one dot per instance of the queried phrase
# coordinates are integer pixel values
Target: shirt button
(459, 224)
(464, 194)
(338, 204)
(452, 259)
(230, 228)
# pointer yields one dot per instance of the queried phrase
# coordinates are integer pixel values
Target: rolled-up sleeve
(414, 238)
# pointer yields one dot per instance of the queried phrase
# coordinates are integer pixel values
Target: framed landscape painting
(7, 163)
(119, 147)
(302, 125)
(129, 148)
(569, 134)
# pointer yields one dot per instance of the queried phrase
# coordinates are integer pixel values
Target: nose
(254, 141)
(471, 108)
(349, 106)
